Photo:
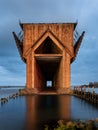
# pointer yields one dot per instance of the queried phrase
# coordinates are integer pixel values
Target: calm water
(32, 112)
(6, 92)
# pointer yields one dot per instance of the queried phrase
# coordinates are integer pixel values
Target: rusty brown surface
(49, 50)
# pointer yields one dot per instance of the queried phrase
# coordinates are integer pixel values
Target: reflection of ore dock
(48, 50)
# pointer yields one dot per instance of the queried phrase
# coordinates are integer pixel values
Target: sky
(83, 70)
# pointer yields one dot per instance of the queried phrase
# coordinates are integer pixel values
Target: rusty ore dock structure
(48, 49)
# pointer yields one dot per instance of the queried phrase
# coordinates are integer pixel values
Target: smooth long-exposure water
(33, 112)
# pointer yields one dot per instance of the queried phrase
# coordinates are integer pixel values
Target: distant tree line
(95, 84)
(91, 84)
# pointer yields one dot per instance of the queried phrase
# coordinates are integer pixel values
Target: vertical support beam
(65, 74)
(58, 78)
(29, 72)
(33, 73)
(30, 84)
(66, 69)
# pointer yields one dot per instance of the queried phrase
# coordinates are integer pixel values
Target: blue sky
(83, 70)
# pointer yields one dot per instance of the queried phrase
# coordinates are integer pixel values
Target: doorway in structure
(47, 68)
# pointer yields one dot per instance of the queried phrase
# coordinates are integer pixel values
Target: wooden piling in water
(81, 92)
(5, 99)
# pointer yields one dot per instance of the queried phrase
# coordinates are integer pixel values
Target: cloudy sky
(83, 70)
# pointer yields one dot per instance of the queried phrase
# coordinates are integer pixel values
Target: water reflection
(12, 114)
(46, 109)
(81, 109)
(32, 112)
(64, 107)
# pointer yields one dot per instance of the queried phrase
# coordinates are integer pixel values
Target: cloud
(3, 70)
(84, 69)
(12, 77)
